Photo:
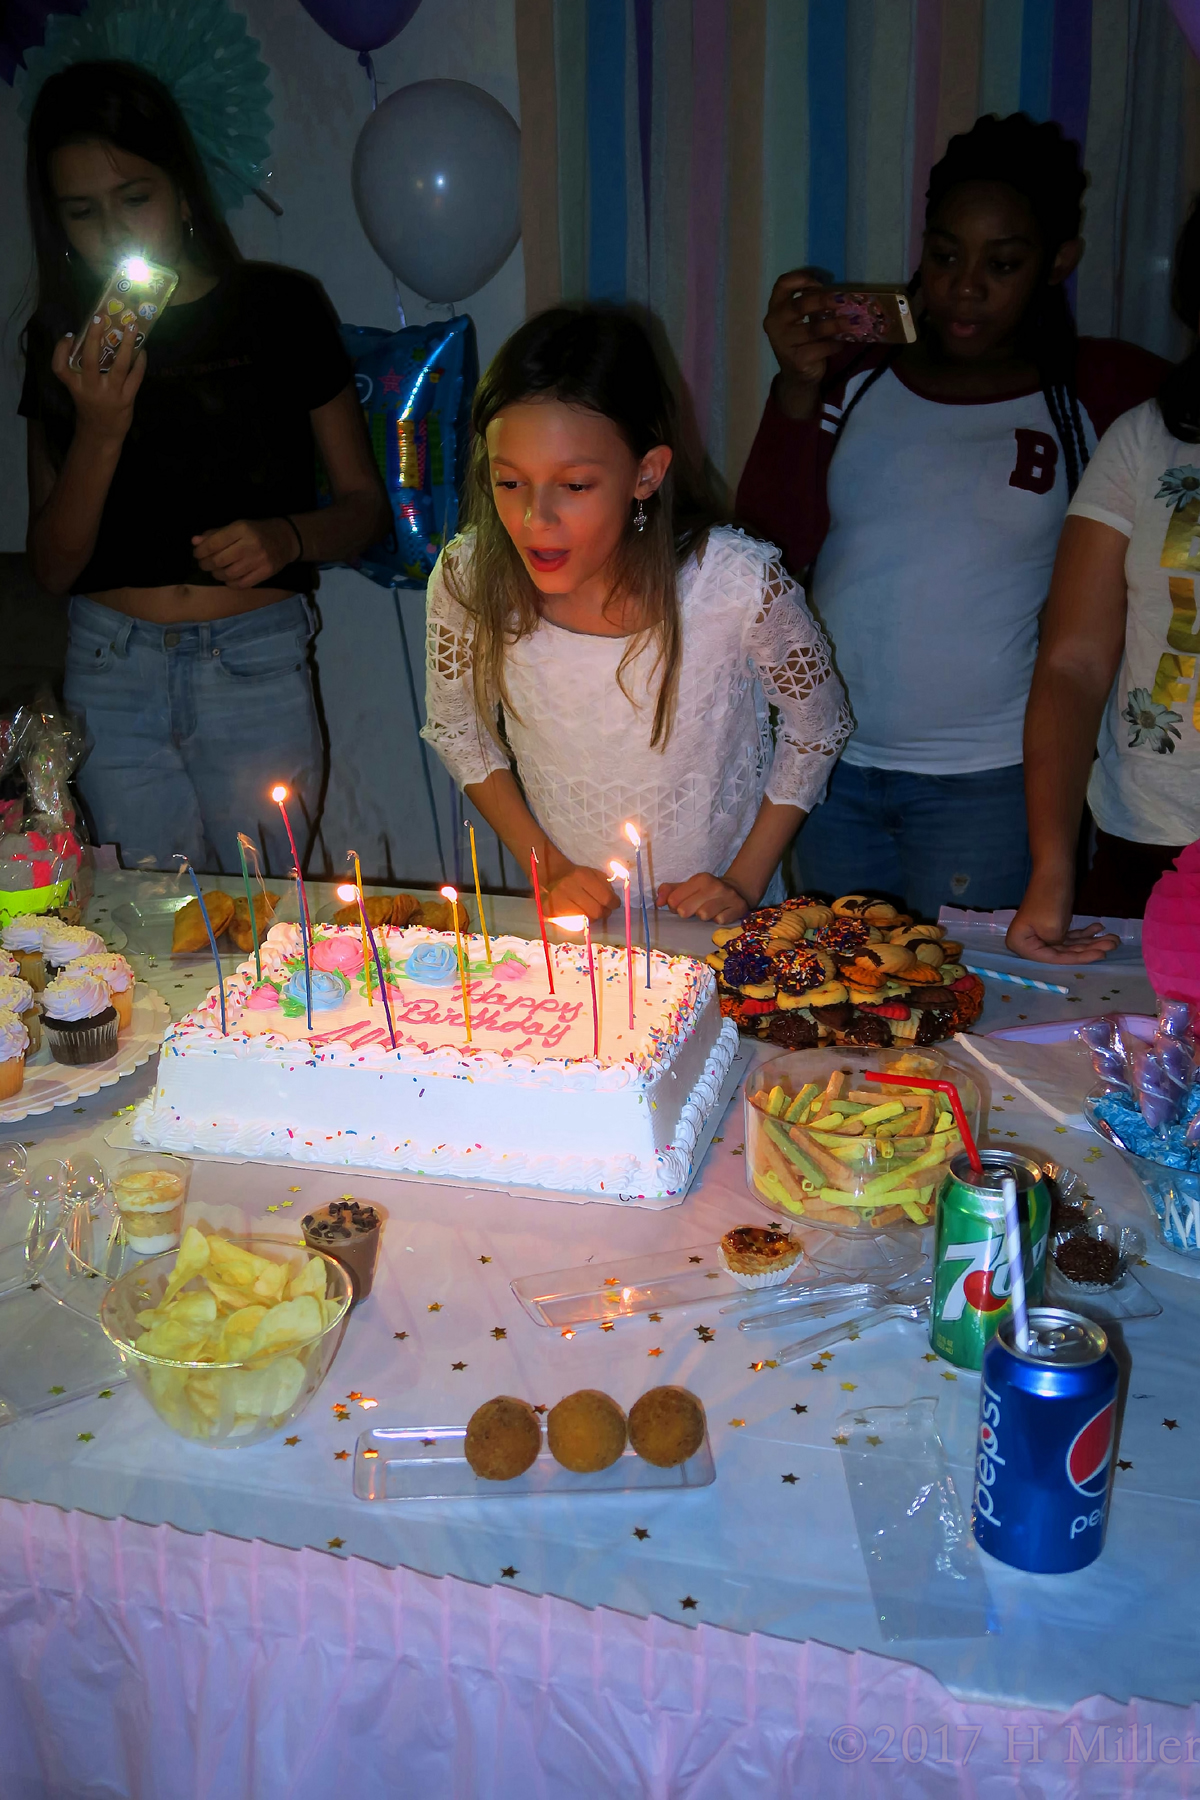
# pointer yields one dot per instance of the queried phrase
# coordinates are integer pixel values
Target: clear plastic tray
(426, 1462)
(49, 1355)
(1126, 1299)
(617, 1290)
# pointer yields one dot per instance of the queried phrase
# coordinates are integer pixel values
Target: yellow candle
(362, 919)
(487, 948)
(451, 894)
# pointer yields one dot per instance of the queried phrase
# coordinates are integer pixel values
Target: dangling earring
(639, 517)
(190, 227)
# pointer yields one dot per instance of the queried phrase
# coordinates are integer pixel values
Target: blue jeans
(189, 727)
(926, 840)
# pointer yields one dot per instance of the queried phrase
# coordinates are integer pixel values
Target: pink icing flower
(510, 968)
(261, 999)
(343, 954)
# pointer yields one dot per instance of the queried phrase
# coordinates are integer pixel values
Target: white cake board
(49, 1084)
(121, 1137)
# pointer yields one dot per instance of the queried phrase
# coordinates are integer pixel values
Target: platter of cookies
(857, 972)
(586, 1444)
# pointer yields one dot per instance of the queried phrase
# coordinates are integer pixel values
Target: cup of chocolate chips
(351, 1232)
(1094, 1256)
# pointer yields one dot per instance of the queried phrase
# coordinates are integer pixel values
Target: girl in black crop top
(176, 494)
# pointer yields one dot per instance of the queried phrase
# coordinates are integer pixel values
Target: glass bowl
(225, 1405)
(852, 1186)
(1173, 1195)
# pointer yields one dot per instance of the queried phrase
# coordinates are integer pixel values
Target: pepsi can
(1047, 1419)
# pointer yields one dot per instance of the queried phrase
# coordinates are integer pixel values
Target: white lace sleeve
(791, 654)
(451, 724)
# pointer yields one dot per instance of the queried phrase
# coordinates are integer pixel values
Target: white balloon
(437, 186)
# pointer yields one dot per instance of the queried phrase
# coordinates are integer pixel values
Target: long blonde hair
(599, 359)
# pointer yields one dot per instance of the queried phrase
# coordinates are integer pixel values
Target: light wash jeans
(926, 841)
(189, 727)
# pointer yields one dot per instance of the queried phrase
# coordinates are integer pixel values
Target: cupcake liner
(122, 1003)
(31, 1019)
(31, 967)
(90, 1041)
(12, 1074)
(766, 1278)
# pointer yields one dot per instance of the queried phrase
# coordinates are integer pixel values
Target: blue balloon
(415, 388)
(361, 24)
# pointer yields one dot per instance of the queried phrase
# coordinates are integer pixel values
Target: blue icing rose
(433, 965)
(328, 989)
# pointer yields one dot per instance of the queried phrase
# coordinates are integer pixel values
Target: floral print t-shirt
(1146, 485)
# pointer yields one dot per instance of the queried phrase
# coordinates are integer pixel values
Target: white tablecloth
(332, 1625)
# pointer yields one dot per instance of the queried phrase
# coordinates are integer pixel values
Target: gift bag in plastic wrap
(43, 861)
(415, 388)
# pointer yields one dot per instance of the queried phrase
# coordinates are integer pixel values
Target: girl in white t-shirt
(1122, 605)
(599, 651)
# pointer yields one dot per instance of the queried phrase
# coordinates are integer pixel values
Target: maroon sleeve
(1112, 377)
(781, 495)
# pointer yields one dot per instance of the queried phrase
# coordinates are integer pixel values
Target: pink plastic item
(1171, 930)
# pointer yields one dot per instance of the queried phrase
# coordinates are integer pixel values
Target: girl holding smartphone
(173, 495)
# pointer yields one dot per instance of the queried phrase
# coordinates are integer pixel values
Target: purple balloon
(361, 24)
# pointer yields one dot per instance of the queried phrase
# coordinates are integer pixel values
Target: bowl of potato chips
(229, 1339)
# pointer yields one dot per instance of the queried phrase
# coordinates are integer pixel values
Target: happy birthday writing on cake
(541, 1023)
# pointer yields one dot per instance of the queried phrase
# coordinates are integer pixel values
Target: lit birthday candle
(619, 872)
(451, 894)
(577, 922)
(487, 948)
(634, 836)
(348, 895)
(187, 869)
(279, 795)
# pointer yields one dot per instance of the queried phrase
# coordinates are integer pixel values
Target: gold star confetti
(1171, 1424)
(58, 1390)
(272, 1209)
(929, 1357)
(335, 1543)
(736, 1423)
(695, 1259)
(458, 1365)
(373, 1454)
(399, 1336)
(293, 1190)
(848, 1387)
(606, 1325)
(790, 1479)
(341, 1412)
(105, 1394)
(291, 1440)
(614, 1281)
(799, 1409)
(827, 1356)
(85, 1437)
(287, 1203)
(657, 1351)
(949, 1375)
(841, 1438)
(539, 1409)
(354, 1394)
(820, 1367)
(341, 1455)
(434, 1306)
(688, 1604)
(713, 1275)
(874, 1441)
(367, 1403)
(566, 1332)
(510, 1573)
(1123, 1465)
(1061, 1129)
(640, 1533)
(654, 1318)
(485, 1259)
(428, 1441)
(498, 1332)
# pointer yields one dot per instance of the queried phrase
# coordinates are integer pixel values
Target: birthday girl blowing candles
(600, 649)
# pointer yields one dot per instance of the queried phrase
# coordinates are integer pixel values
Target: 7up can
(970, 1271)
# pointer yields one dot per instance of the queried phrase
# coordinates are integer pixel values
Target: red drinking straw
(537, 894)
(956, 1106)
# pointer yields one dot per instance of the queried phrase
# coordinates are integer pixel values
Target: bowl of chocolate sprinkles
(1093, 1257)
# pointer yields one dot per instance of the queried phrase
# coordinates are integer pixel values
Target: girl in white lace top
(592, 630)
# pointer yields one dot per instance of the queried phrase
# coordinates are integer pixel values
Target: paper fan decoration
(201, 52)
(1171, 930)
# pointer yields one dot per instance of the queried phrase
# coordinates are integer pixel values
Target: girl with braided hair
(923, 492)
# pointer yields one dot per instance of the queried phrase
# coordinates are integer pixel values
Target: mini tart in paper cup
(14, 1041)
(758, 1256)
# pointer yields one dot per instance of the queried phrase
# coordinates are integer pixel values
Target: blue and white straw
(1025, 981)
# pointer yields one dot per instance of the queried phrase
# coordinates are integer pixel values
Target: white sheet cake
(524, 1104)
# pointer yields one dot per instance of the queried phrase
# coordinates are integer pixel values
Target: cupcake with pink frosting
(79, 1019)
(117, 977)
(14, 1042)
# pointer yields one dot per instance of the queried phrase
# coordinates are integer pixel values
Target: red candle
(577, 922)
(537, 894)
(620, 873)
(279, 794)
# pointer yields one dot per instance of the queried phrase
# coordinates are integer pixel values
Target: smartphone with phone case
(873, 315)
(134, 294)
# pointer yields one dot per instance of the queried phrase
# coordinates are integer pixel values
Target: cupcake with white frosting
(24, 937)
(8, 964)
(65, 944)
(17, 996)
(14, 1042)
(117, 977)
(79, 1020)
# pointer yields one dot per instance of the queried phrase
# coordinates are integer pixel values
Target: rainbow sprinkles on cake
(525, 1103)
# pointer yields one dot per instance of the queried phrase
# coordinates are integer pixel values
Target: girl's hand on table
(1041, 931)
(103, 402)
(248, 552)
(580, 890)
(704, 897)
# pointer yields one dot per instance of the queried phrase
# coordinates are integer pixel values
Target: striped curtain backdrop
(682, 153)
